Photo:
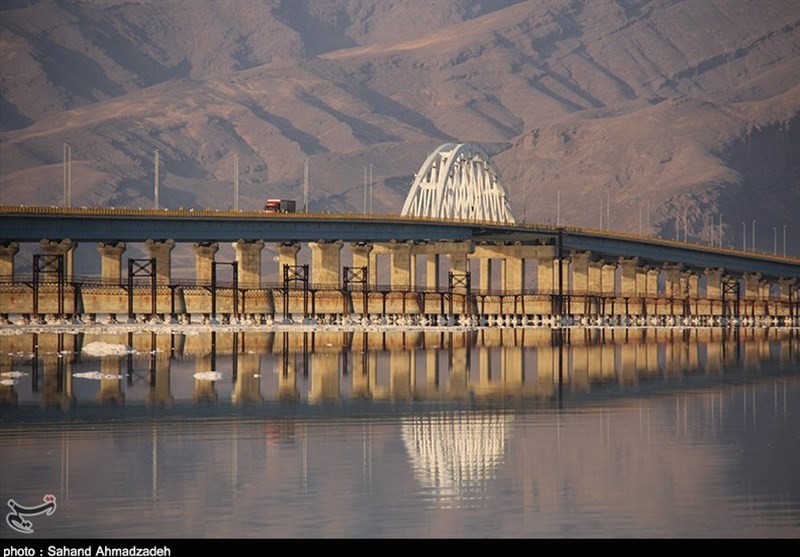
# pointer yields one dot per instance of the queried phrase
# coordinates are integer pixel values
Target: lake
(203, 432)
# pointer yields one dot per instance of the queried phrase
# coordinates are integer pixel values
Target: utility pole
(685, 225)
(640, 219)
(720, 229)
(365, 189)
(753, 246)
(235, 182)
(784, 240)
(601, 213)
(774, 240)
(558, 208)
(744, 237)
(67, 175)
(155, 183)
(370, 188)
(305, 186)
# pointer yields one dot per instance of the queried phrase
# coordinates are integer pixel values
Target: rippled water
(493, 434)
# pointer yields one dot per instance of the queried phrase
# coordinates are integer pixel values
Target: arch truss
(458, 181)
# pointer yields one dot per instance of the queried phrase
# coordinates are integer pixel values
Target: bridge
(456, 212)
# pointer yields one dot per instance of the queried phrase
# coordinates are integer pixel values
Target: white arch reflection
(455, 456)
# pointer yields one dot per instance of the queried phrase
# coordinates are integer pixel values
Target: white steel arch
(458, 181)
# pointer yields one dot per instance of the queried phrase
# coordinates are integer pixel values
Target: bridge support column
(652, 291)
(204, 261)
(752, 286)
(764, 289)
(596, 277)
(714, 283)
(673, 284)
(652, 282)
(361, 252)
(457, 255)
(287, 255)
(514, 275)
(372, 272)
(608, 281)
(161, 251)
(485, 274)
(608, 287)
(326, 262)
(65, 247)
(714, 290)
(400, 265)
(565, 263)
(580, 272)
(544, 275)
(111, 261)
(752, 293)
(641, 281)
(432, 271)
(7, 252)
(788, 297)
(627, 285)
(247, 254)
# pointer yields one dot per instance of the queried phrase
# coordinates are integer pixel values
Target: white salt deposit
(8, 382)
(106, 349)
(13, 374)
(96, 375)
(208, 375)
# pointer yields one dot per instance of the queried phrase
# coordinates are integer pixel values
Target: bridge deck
(31, 224)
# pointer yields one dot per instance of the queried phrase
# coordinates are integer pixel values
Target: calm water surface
(490, 434)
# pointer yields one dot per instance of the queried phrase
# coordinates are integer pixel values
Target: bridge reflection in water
(477, 443)
(251, 368)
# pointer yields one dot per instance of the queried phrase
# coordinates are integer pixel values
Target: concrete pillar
(361, 257)
(714, 283)
(609, 279)
(326, 262)
(693, 284)
(432, 271)
(204, 261)
(161, 251)
(65, 247)
(765, 289)
(652, 282)
(544, 274)
(580, 271)
(287, 255)
(485, 274)
(400, 265)
(627, 282)
(373, 270)
(247, 254)
(361, 251)
(514, 275)
(673, 282)
(8, 250)
(111, 261)
(458, 262)
(565, 262)
(788, 287)
(752, 286)
(595, 276)
(641, 281)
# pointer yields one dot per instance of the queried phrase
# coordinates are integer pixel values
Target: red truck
(280, 206)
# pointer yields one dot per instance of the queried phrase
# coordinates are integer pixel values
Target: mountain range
(652, 116)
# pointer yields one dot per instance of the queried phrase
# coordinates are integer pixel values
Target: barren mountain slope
(680, 107)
